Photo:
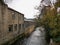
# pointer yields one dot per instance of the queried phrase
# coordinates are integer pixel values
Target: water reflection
(37, 37)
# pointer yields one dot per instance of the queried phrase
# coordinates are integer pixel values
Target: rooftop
(15, 10)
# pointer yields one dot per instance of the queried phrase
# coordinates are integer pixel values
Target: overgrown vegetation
(51, 21)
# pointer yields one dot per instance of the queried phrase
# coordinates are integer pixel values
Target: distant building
(58, 10)
(45, 5)
(28, 22)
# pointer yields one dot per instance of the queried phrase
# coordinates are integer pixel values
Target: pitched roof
(15, 10)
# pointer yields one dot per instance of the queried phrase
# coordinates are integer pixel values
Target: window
(23, 25)
(13, 15)
(15, 26)
(10, 28)
(19, 26)
(20, 17)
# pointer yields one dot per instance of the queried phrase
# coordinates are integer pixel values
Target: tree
(51, 21)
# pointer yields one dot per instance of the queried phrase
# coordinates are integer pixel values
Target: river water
(36, 38)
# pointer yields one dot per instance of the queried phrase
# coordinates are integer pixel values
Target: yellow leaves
(51, 21)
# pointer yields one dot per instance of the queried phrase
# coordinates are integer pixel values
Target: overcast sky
(25, 6)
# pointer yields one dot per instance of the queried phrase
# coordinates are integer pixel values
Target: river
(36, 38)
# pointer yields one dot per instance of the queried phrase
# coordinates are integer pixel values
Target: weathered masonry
(16, 21)
(11, 23)
(29, 26)
(3, 20)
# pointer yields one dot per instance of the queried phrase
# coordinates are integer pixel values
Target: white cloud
(25, 6)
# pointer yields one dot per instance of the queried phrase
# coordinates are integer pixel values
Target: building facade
(16, 21)
(3, 19)
(11, 23)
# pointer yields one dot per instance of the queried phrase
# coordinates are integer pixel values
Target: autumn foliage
(51, 21)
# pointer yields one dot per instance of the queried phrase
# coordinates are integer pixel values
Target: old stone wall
(11, 23)
(29, 30)
(3, 19)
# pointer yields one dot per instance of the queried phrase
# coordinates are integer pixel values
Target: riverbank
(37, 37)
(10, 42)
